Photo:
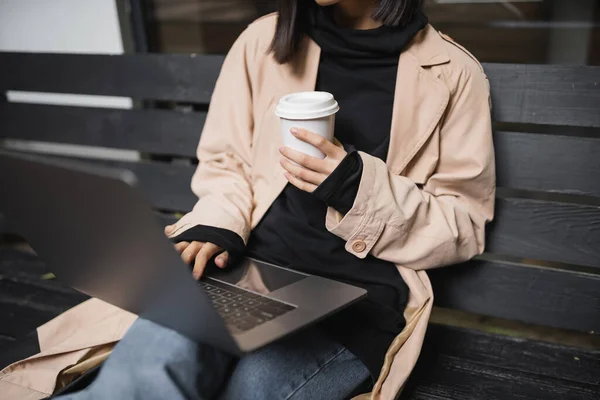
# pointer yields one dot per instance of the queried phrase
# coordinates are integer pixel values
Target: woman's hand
(199, 253)
(311, 171)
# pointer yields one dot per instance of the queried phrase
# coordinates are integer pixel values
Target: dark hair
(293, 19)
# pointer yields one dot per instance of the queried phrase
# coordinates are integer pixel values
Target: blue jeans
(153, 362)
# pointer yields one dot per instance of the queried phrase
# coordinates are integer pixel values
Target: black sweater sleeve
(228, 240)
(340, 188)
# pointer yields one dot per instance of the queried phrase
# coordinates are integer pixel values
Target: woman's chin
(326, 2)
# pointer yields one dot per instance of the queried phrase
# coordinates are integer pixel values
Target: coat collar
(428, 47)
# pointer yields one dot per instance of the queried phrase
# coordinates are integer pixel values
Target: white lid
(306, 105)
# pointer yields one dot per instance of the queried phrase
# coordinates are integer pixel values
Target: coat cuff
(358, 227)
(208, 212)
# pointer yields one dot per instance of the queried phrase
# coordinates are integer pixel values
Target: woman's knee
(320, 370)
(263, 375)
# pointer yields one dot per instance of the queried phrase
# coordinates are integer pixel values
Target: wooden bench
(542, 261)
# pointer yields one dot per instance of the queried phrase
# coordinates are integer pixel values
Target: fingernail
(287, 175)
(169, 228)
(295, 131)
(281, 149)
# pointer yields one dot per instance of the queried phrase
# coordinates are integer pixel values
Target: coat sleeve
(222, 180)
(443, 221)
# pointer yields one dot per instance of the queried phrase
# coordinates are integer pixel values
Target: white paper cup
(313, 111)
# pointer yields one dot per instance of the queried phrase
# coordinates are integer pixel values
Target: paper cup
(313, 111)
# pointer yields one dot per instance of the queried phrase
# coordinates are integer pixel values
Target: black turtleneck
(359, 68)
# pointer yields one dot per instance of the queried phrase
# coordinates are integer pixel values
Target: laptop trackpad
(257, 276)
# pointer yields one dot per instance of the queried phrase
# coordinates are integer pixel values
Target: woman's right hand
(200, 253)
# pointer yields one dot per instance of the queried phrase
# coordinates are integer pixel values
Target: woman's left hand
(311, 171)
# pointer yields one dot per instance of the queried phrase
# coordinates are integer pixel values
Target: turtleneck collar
(354, 44)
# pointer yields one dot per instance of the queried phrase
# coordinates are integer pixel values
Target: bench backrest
(542, 261)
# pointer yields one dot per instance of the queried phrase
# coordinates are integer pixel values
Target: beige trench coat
(427, 207)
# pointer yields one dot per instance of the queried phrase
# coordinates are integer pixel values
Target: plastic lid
(307, 105)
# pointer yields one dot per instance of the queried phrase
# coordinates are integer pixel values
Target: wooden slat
(27, 300)
(545, 94)
(17, 320)
(528, 228)
(539, 94)
(517, 354)
(561, 299)
(150, 131)
(24, 306)
(565, 164)
(451, 379)
(12, 350)
(25, 268)
(15, 262)
(186, 78)
(548, 162)
(5, 341)
(3, 225)
(469, 365)
(551, 231)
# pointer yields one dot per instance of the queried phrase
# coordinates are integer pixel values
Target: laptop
(97, 233)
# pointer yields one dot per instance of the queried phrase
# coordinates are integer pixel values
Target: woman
(411, 187)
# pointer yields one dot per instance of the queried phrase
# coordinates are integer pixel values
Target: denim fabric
(153, 362)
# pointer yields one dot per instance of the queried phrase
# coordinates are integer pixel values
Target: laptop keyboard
(242, 310)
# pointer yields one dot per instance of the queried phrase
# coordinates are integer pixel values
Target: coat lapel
(420, 99)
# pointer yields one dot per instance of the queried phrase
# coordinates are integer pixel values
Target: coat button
(359, 246)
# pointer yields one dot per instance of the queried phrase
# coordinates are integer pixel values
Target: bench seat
(456, 363)
(466, 364)
(541, 266)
